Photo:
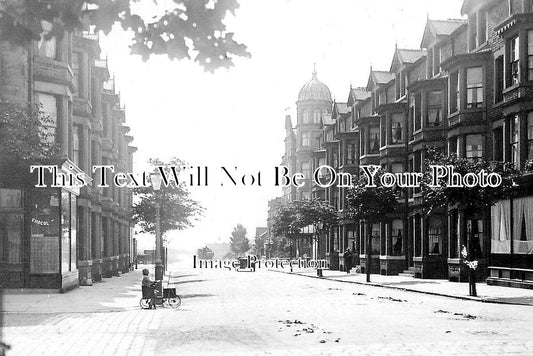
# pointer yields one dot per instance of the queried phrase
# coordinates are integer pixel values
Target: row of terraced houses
(59, 238)
(468, 90)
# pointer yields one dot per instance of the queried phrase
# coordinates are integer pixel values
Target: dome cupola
(314, 90)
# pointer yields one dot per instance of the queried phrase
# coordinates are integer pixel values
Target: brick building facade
(467, 91)
(58, 238)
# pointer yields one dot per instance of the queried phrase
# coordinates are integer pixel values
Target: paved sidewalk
(441, 287)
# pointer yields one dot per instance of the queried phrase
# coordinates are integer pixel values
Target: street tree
(239, 243)
(370, 205)
(471, 199)
(285, 227)
(317, 213)
(26, 135)
(205, 253)
(178, 210)
(180, 29)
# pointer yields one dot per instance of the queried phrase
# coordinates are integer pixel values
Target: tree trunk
(368, 252)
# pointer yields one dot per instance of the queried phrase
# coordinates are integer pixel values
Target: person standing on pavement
(347, 260)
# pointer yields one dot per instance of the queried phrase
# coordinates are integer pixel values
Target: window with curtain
(418, 112)
(474, 87)
(397, 128)
(514, 61)
(435, 236)
(374, 140)
(523, 225)
(47, 47)
(498, 79)
(501, 227)
(434, 114)
(474, 147)
(397, 237)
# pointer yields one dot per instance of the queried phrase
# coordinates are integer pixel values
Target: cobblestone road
(227, 312)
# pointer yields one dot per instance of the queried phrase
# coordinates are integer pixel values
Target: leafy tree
(205, 253)
(477, 198)
(317, 213)
(370, 205)
(291, 218)
(177, 208)
(24, 137)
(239, 243)
(285, 228)
(259, 245)
(191, 29)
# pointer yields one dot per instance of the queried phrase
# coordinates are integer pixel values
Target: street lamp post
(156, 186)
(319, 228)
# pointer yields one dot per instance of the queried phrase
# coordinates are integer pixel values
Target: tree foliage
(177, 208)
(370, 203)
(239, 243)
(318, 213)
(205, 253)
(24, 138)
(476, 197)
(191, 29)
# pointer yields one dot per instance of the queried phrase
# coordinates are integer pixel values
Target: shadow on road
(199, 295)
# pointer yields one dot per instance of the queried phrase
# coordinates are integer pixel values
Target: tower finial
(314, 70)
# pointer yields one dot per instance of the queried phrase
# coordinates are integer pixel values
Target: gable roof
(436, 28)
(378, 77)
(357, 94)
(341, 108)
(405, 56)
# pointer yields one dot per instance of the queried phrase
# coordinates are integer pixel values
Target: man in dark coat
(347, 260)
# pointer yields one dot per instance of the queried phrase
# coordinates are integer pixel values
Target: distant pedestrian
(347, 260)
(148, 287)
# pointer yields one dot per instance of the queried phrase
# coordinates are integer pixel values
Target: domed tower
(314, 100)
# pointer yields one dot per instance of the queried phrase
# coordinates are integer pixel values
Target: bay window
(306, 169)
(374, 140)
(76, 145)
(418, 112)
(375, 242)
(474, 87)
(396, 128)
(474, 148)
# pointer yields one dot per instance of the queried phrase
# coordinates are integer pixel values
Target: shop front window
(11, 223)
(474, 231)
(514, 136)
(45, 225)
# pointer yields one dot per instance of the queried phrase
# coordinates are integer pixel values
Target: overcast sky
(236, 117)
